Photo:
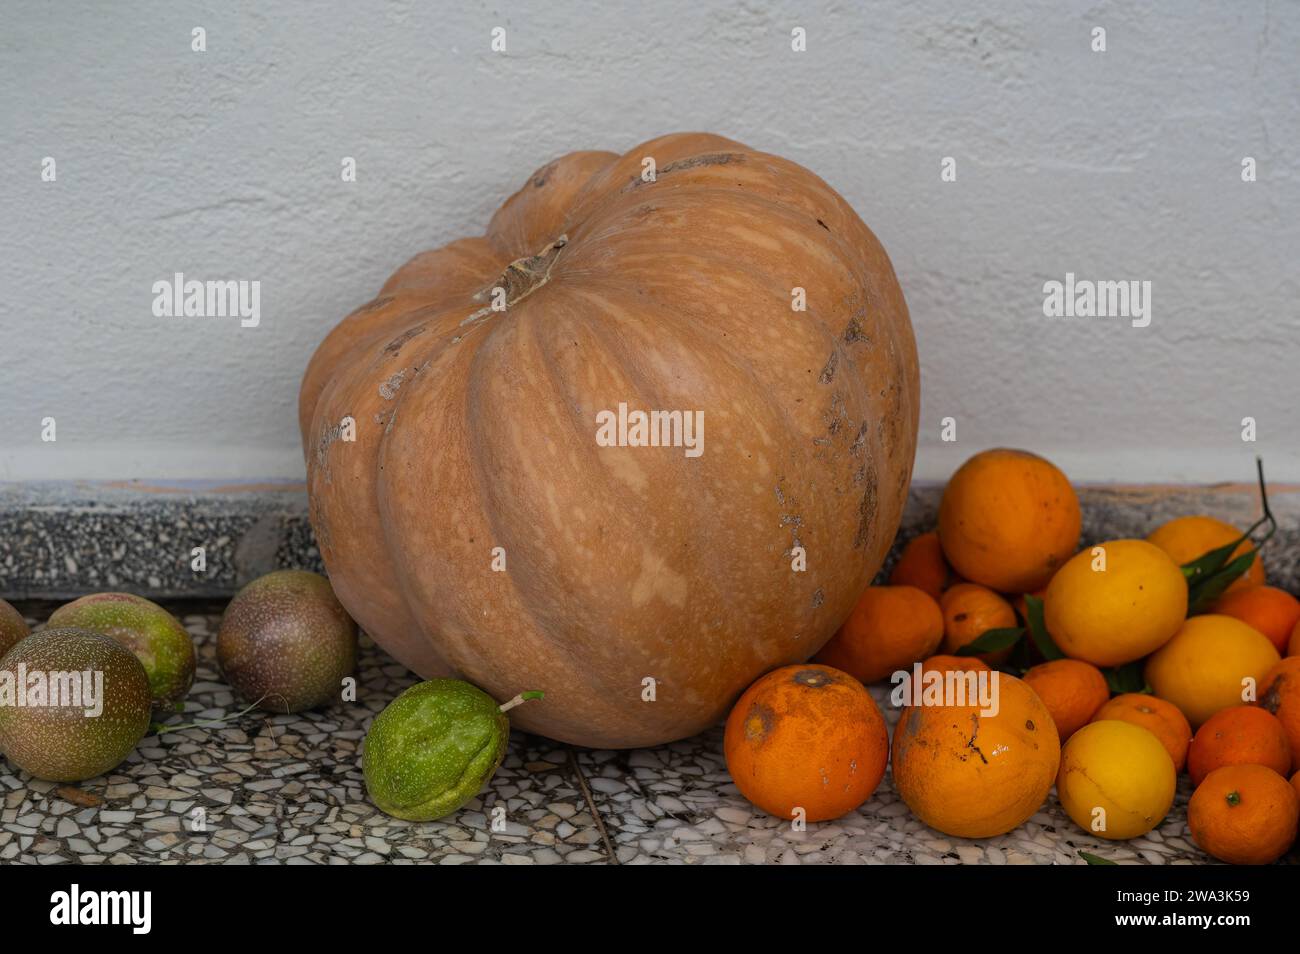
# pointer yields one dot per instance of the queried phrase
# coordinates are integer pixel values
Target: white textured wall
(225, 164)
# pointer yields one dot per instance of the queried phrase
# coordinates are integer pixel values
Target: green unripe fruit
(70, 742)
(434, 747)
(286, 643)
(156, 637)
(13, 628)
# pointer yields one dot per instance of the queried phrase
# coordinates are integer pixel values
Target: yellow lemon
(1115, 602)
(1116, 780)
(1209, 664)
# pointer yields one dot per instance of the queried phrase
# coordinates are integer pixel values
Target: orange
(890, 628)
(975, 775)
(969, 611)
(1273, 612)
(1295, 782)
(1073, 691)
(1022, 607)
(806, 737)
(1008, 519)
(1162, 719)
(1279, 693)
(1115, 602)
(1212, 662)
(1293, 648)
(1244, 815)
(945, 663)
(1239, 735)
(921, 564)
(904, 692)
(1187, 538)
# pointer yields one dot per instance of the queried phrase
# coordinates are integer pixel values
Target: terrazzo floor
(265, 789)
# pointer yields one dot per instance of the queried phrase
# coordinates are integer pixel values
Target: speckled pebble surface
(288, 790)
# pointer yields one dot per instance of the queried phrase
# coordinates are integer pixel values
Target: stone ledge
(59, 540)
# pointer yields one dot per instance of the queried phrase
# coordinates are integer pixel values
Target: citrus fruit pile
(1022, 660)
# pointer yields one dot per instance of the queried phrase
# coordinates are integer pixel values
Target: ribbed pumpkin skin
(476, 429)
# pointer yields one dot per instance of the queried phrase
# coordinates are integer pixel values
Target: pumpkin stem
(523, 276)
(520, 700)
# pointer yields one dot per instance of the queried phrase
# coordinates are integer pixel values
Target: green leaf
(1203, 594)
(1207, 564)
(1126, 678)
(1094, 859)
(992, 640)
(1212, 573)
(1038, 629)
(1021, 658)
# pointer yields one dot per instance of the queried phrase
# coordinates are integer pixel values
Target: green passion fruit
(156, 637)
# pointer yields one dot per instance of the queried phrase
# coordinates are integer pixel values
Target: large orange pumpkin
(664, 287)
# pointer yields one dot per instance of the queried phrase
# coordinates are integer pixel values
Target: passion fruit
(156, 637)
(286, 642)
(73, 704)
(13, 628)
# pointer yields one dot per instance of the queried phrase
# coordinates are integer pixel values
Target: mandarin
(806, 737)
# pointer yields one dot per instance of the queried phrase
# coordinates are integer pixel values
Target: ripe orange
(1072, 690)
(1187, 538)
(1244, 815)
(1293, 647)
(945, 663)
(1295, 782)
(806, 737)
(890, 628)
(969, 611)
(921, 564)
(904, 694)
(1239, 735)
(1209, 665)
(1273, 612)
(974, 775)
(1162, 719)
(1279, 693)
(1008, 519)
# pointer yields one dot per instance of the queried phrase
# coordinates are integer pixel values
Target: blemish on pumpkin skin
(370, 306)
(388, 389)
(853, 333)
(828, 372)
(543, 175)
(394, 346)
(708, 159)
(860, 440)
(866, 511)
